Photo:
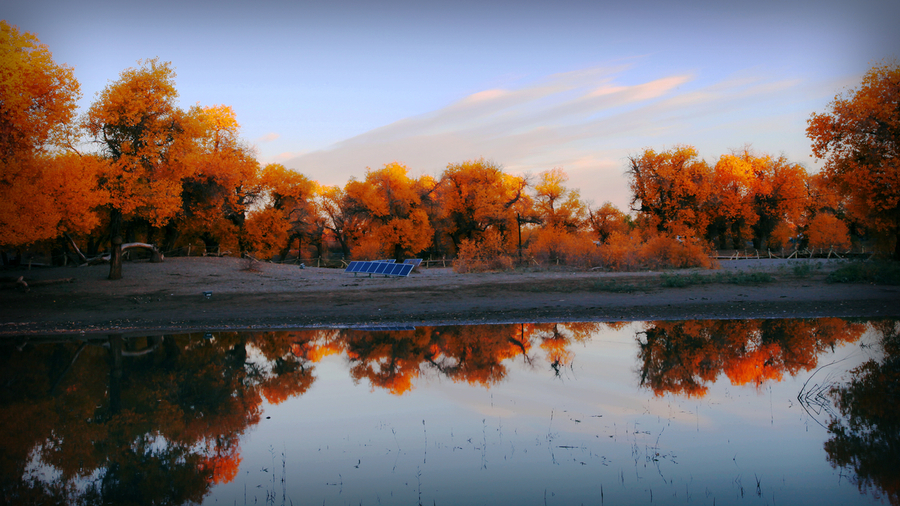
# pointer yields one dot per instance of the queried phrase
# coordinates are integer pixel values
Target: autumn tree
(607, 219)
(670, 189)
(340, 220)
(45, 191)
(779, 195)
(730, 205)
(216, 196)
(477, 196)
(147, 140)
(562, 216)
(859, 139)
(393, 221)
(288, 214)
(825, 231)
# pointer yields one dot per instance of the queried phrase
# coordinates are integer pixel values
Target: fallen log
(156, 256)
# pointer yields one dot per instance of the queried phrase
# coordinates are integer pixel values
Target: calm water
(692, 412)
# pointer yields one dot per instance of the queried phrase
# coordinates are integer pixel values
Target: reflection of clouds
(586, 122)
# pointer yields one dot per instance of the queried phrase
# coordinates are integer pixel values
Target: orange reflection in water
(684, 357)
(173, 409)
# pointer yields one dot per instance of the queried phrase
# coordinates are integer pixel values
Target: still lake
(793, 411)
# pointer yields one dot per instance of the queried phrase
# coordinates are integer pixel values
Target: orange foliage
(557, 206)
(656, 251)
(670, 188)
(489, 254)
(388, 360)
(38, 96)
(217, 194)
(476, 196)
(756, 367)
(553, 244)
(781, 235)
(147, 138)
(859, 138)
(149, 143)
(224, 467)
(827, 232)
(606, 220)
(389, 203)
(44, 193)
(265, 232)
(683, 357)
(286, 385)
(288, 213)
(731, 201)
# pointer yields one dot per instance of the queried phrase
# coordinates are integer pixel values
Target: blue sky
(330, 88)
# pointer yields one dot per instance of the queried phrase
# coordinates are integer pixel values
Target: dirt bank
(170, 296)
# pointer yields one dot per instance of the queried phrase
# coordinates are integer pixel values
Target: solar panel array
(379, 267)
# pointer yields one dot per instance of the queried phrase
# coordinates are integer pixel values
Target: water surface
(700, 412)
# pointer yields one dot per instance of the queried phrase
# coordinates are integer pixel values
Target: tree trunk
(897, 246)
(115, 373)
(115, 244)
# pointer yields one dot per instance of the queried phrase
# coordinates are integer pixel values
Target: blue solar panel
(379, 267)
(414, 261)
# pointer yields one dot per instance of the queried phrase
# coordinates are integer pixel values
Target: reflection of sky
(500, 446)
(330, 88)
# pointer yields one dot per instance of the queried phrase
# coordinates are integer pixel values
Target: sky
(333, 88)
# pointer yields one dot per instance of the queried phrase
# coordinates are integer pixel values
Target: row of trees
(135, 166)
(743, 197)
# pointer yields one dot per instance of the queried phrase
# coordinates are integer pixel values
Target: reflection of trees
(474, 354)
(136, 421)
(867, 438)
(556, 338)
(684, 357)
(388, 360)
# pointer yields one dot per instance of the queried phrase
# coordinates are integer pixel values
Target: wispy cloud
(586, 122)
(269, 137)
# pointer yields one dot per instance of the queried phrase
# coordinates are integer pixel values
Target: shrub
(656, 251)
(619, 252)
(555, 245)
(666, 251)
(781, 236)
(827, 232)
(885, 273)
(488, 254)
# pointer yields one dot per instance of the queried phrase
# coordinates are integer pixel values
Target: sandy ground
(170, 295)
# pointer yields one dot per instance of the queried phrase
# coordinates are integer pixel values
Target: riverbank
(170, 296)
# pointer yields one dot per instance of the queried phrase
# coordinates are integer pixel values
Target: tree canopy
(859, 139)
(184, 178)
